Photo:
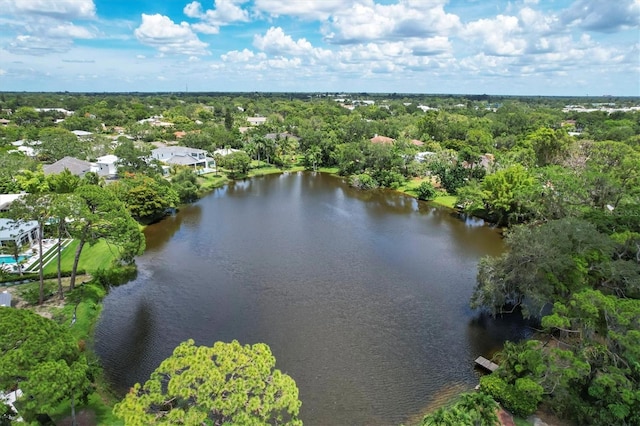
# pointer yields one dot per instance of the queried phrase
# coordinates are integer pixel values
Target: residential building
(183, 156)
(22, 233)
(7, 199)
(382, 140)
(106, 166)
(74, 165)
(256, 121)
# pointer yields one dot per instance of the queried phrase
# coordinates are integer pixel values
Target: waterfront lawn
(85, 300)
(442, 199)
(211, 181)
(97, 256)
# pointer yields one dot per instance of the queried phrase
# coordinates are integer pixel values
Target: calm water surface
(362, 296)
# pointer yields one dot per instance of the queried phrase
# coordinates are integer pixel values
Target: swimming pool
(7, 259)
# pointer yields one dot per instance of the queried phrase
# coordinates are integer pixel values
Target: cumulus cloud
(60, 9)
(313, 10)
(501, 36)
(245, 55)
(603, 16)
(370, 21)
(275, 42)
(161, 32)
(225, 12)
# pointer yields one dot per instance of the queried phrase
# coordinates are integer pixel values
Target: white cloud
(224, 12)
(168, 37)
(193, 10)
(241, 56)
(313, 10)
(68, 30)
(603, 16)
(370, 21)
(33, 45)
(60, 9)
(500, 36)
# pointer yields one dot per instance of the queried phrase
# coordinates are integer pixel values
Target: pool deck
(33, 255)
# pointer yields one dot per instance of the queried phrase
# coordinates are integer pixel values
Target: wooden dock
(486, 364)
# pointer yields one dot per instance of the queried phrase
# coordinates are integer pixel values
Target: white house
(223, 152)
(22, 233)
(7, 199)
(107, 165)
(256, 121)
(81, 134)
(183, 156)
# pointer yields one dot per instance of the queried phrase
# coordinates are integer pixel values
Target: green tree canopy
(43, 359)
(225, 384)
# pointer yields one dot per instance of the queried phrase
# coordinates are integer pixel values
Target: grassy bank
(92, 258)
(443, 199)
(84, 304)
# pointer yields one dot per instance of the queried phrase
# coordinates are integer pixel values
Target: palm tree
(13, 248)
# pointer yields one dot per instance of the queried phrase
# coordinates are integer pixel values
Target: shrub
(115, 276)
(363, 181)
(521, 398)
(426, 191)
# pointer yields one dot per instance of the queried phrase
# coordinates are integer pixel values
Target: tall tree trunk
(41, 266)
(74, 422)
(76, 260)
(60, 292)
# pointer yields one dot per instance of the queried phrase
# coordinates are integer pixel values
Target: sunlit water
(362, 296)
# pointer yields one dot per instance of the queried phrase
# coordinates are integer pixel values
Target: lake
(363, 297)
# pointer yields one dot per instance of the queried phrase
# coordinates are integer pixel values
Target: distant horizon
(324, 93)
(512, 47)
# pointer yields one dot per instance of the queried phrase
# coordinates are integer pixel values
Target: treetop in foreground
(228, 383)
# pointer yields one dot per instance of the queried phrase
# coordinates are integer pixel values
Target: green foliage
(186, 185)
(115, 275)
(363, 181)
(148, 198)
(521, 398)
(225, 384)
(42, 358)
(426, 191)
(506, 193)
(474, 409)
(543, 264)
(451, 176)
(237, 162)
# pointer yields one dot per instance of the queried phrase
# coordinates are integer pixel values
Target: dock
(486, 364)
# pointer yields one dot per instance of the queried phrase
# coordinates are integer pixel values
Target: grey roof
(178, 150)
(9, 229)
(5, 298)
(75, 166)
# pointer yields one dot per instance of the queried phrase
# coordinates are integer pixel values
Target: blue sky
(518, 47)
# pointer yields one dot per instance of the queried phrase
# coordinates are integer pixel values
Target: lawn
(94, 257)
(442, 199)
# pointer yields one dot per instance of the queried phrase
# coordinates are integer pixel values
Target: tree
(185, 182)
(148, 198)
(58, 143)
(98, 214)
(225, 384)
(506, 192)
(237, 162)
(42, 359)
(543, 264)
(13, 249)
(131, 159)
(426, 191)
(38, 207)
(471, 409)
